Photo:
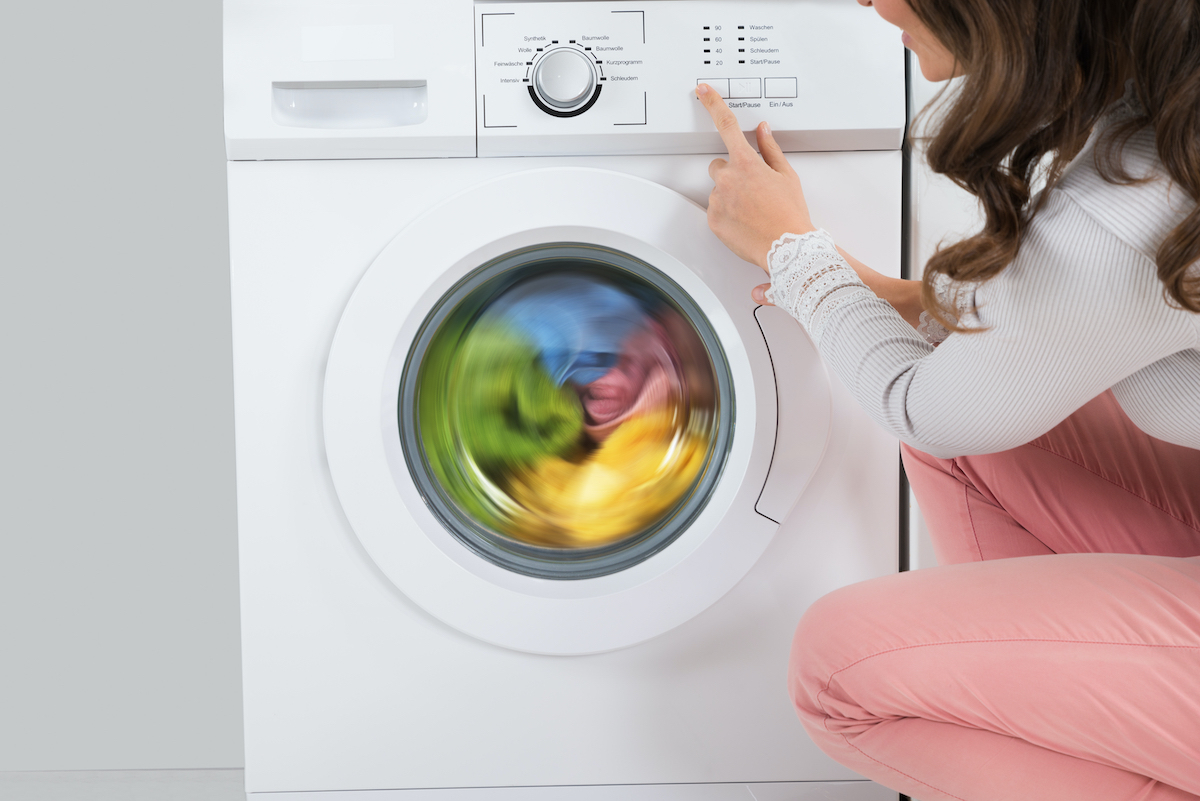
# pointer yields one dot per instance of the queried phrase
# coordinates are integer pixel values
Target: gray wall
(118, 550)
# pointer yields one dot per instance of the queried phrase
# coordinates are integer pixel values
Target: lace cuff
(810, 279)
(931, 330)
(959, 297)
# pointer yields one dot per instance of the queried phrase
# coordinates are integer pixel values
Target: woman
(1061, 416)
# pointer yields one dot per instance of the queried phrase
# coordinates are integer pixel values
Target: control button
(781, 87)
(720, 84)
(564, 78)
(745, 87)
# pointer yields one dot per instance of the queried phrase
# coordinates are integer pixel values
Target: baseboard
(771, 791)
(124, 785)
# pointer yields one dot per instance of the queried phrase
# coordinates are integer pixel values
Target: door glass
(566, 411)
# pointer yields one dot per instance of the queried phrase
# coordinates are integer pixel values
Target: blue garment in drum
(577, 323)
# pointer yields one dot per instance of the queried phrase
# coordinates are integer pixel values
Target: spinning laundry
(561, 414)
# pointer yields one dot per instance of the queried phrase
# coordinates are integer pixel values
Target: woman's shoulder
(1140, 214)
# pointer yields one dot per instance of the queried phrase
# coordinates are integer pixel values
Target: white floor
(124, 785)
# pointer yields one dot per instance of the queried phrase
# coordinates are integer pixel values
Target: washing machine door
(551, 412)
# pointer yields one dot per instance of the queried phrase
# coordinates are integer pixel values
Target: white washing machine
(429, 615)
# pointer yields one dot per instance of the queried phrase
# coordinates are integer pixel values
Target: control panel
(460, 78)
(574, 77)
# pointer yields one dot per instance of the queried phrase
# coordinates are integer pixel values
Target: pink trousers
(1055, 656)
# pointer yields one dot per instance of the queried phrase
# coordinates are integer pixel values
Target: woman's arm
(1078, 312)
(903, 296)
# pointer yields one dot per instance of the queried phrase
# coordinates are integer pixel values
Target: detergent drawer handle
(349, 105)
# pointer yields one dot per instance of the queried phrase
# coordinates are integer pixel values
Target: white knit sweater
(1081, 310)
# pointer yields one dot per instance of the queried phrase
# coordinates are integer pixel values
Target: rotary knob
(565, 80)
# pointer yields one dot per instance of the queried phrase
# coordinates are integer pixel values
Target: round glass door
(566, 410)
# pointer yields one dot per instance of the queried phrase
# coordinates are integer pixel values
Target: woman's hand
(757, 199)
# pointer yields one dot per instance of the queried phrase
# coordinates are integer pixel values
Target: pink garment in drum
(643, 380)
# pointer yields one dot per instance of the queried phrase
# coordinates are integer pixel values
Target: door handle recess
(804, 412)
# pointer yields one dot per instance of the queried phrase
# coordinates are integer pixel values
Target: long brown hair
(1038, 75)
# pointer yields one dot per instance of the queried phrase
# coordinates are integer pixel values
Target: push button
(745, 87)
(720, 84)
(781, 87)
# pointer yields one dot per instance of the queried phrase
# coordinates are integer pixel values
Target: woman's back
(1082, 308)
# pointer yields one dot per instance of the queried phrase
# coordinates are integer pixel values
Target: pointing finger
(759, 293)
(727, 123)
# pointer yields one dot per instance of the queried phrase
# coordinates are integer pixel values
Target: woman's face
(937, 64)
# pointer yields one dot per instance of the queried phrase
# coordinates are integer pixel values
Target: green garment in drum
(487, 407)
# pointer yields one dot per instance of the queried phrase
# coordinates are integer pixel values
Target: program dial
(565, 79)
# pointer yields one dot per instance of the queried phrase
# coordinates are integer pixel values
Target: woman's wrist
(797, 228)
(905, 298)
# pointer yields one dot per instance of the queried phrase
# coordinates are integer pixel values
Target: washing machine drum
(551, 412)
(566, 411)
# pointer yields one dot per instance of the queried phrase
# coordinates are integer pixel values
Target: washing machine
(531, 494)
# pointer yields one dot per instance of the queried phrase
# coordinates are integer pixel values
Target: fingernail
(767, 128)
(702, 90)
(758, 294)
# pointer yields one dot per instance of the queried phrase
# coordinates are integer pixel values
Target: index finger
(726, 121)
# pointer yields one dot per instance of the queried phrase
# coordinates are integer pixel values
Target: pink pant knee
(1068, 677)
(1071, 676)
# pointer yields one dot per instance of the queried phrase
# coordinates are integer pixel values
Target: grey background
(118, 549)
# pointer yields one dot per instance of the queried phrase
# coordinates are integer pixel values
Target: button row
(752, 88)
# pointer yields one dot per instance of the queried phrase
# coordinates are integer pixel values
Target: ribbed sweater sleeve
(1078, 312)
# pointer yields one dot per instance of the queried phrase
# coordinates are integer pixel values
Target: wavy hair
(1038, 75)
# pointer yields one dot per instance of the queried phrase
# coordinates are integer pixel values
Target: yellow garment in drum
(642, 470)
